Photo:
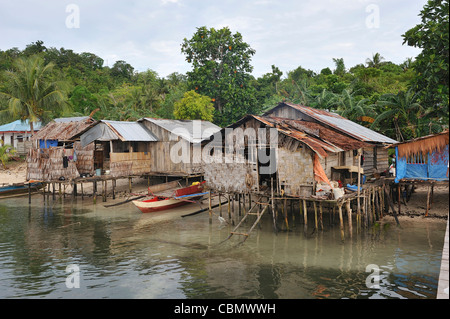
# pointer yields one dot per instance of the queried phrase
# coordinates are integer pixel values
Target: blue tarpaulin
(434, 167)
(48, 143)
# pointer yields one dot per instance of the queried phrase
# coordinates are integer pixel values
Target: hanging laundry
(65, 162)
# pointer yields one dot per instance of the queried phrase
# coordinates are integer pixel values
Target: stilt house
(375, 155)
(292, 149)
(56, 154)
(120, 148)
(423, 159)
(177, 151)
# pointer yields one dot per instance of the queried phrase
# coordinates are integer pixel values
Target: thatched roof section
(423, 145)
(62, 131)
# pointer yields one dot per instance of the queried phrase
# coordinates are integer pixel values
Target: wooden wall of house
(47, 164)
(231, 177)
(125, 164)
(375, 160)
(161, 161)
(295, 171)
(85, 158)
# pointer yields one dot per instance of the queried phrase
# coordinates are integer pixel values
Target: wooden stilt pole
(229, 207)
(391, 204)
(94, 191)
(210, 209)
(239, 204)
(364, 209)
(305, 215)
(321, 215)
(273, 207)
(220, 205)
(285, 214)
(341, 221)
(349, 216)
(113, 182)
(428, 201)
(300, 207)
(315, 215)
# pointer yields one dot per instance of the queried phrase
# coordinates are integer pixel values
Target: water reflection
(125, 254)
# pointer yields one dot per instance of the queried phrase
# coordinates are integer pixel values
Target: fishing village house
(421, 161)
(121, 149)
(297, 152)
(375, 156)
(312, 146)
(56, 154)
(18, 135)
(177, 152)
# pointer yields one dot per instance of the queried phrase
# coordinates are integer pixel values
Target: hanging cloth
(319, 173)
(65, 162)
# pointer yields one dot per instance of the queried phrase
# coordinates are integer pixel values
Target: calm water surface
(122, 253)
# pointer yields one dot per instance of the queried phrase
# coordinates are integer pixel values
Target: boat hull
(160, 204)
(157, 203)
(19, 189)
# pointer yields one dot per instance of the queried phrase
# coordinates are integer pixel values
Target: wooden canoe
(19, 189)
(180, 197)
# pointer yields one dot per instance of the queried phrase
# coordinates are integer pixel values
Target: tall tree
(31, 92)
(432, 64)
(221, 70)
(376, 61)
(194, 106)
(401, 109)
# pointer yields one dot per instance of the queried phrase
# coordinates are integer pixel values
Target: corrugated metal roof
(194, 131)
(317, 137)
(72, 119)
(340, 123)
(19, 126)
(131, 131)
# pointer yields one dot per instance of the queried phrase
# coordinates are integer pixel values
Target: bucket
(98, 172)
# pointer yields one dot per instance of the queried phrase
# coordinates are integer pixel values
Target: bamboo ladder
(248, 213)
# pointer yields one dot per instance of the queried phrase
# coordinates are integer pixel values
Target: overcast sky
(148, 34)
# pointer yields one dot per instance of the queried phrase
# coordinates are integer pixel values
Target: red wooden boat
(180, 197)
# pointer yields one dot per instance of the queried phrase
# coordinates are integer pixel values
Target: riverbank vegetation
(402, 101)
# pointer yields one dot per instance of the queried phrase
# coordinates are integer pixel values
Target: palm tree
(31, 93)
(6, 151)
(403, 110)
(375, 62)
(325, 100)
(351, 108)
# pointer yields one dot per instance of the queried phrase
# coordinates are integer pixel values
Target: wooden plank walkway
(443, 276)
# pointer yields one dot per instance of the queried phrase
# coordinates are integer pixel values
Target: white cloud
(148, 34)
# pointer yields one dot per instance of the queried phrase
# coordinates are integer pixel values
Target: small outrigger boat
(181, 196)
(19, 189)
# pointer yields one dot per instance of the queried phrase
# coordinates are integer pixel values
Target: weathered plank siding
(295, 171)
(161, 161)
(125, 164)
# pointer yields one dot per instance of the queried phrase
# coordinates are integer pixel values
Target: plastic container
(338, 192)
(98, 172)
